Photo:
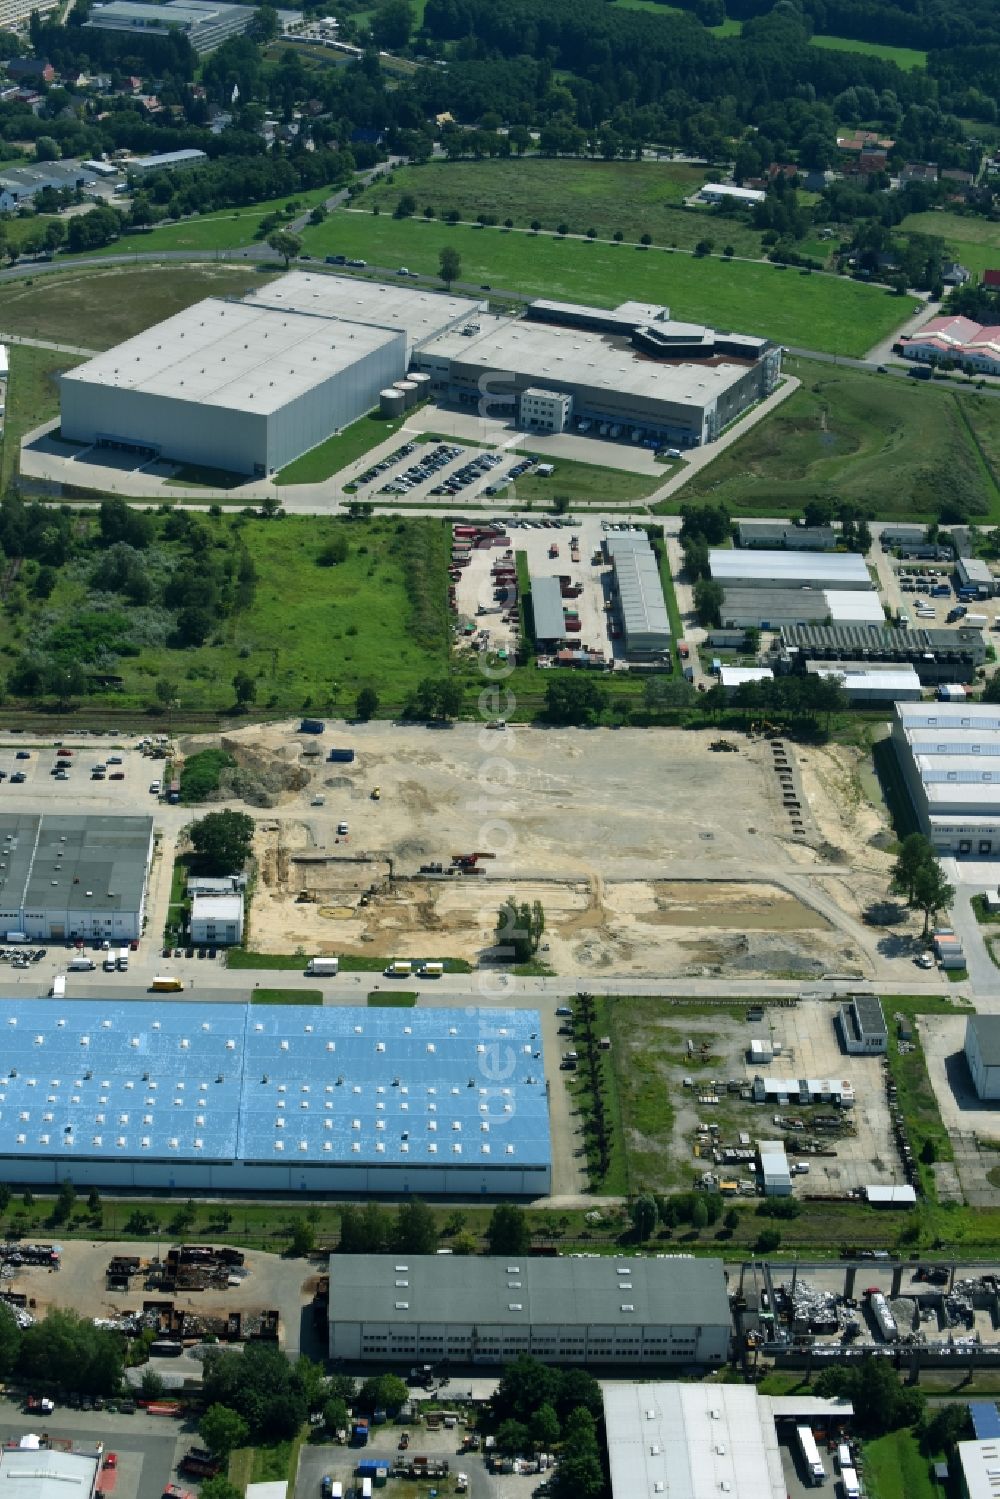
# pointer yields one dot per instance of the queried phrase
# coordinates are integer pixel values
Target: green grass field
(728, 27)
(230, 229)
(97, 308)
(896, 447)
(340, 450)
(314, 635)
(637, 197)
(895, 1468)
(32, 397)
(974, 242)
(583, 483)
(817, 312)
(907, 58)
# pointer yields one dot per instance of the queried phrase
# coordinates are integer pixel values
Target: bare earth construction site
(683, 864)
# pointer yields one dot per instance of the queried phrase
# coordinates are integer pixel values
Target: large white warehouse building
(246, 386)
(949, 755)
(668, 1310)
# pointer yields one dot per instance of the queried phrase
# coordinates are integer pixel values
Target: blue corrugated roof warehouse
(259, 1097)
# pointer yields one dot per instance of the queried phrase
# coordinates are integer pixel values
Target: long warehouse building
(235, 1097)
(246, 386)
(475, 1310)
(935, 655)
(746, 567)
(632, 372)
(638, 590)
(949, 756)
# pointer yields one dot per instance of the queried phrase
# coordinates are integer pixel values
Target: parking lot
(441, 471)
(147, 1447)
(78, 777)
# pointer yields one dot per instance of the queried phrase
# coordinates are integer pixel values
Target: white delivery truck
(975, 621)
(123, 960)
(81, 964)
(401, 968)
(849, 1483)
(109, 965)
(59, 986)
(320, 967)
(431, 970)
(815, 1471)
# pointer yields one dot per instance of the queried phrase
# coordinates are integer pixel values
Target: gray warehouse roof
(516, 1289)
(987, 1033)
(417, 312)
(823, 569)
(860, 641)
(242, 356)
(776, 603)
(77, 863)
(547, 609)
(640, 590)
(575, 356)
(783, 533)
(868, 1013)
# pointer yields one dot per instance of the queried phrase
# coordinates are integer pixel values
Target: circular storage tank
(391, 402)
(408, 391)
(423, 384)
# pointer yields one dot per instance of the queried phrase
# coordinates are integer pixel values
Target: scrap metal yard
(630, 843)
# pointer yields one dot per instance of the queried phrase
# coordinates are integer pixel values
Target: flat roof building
(233, 385)
(982, 1052)
(70, 876)
(547, 612)
(980, 1468)
(631, 371)
(19, 184)
(695, 1441)
(417, 313)
(728, 192)
(974, 572)
(217, 920)
(639, 592)
(205, 23)
(863, 1030)
(870, 684)
(776, 1178)
(855, 606)
(784, 568)
(29, 1471)
(772, 608)
(234, 1097)
(935, 655)
(165, 161)
(783, 533)
(246, 386)
(732, 677)
(949, 756)
(476, 1310)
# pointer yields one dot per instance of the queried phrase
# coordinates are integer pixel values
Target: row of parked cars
(383, 467)
(425, 468)
(468, 474)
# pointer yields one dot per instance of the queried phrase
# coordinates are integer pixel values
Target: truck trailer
(323, 967)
